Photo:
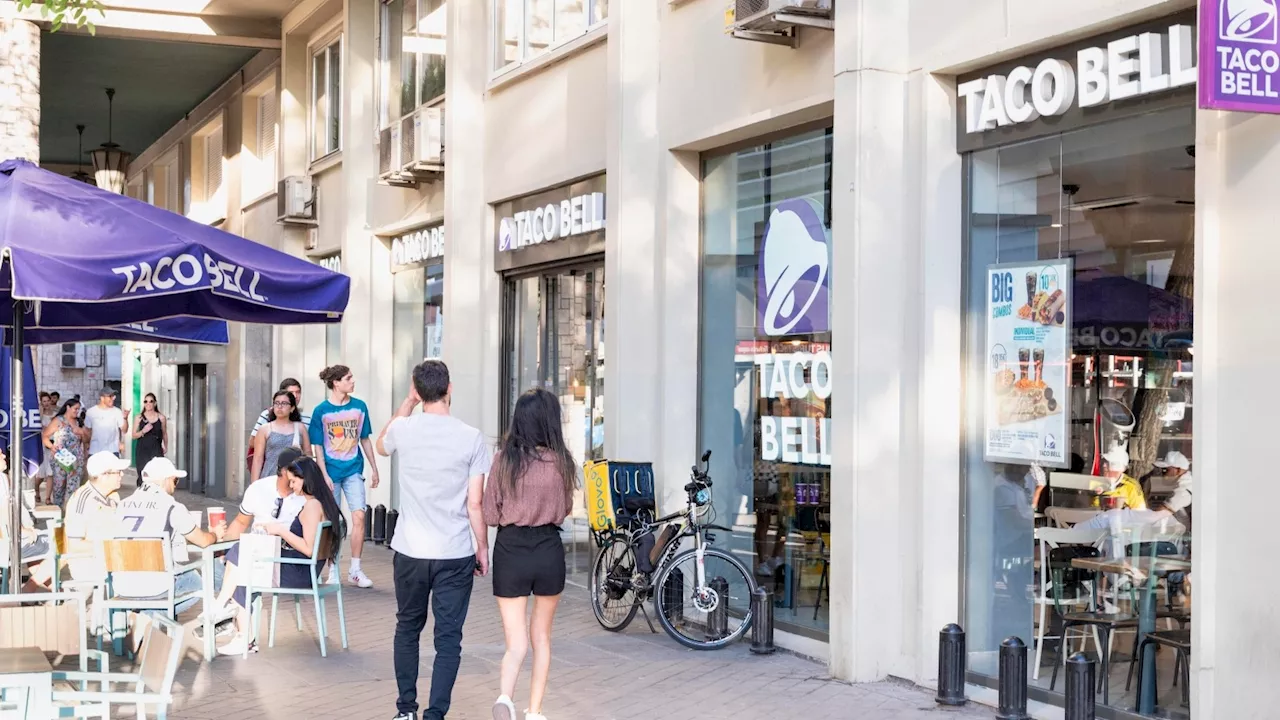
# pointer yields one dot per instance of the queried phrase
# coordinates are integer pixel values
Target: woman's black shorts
(528, 560)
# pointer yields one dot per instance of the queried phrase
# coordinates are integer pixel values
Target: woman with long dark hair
(65, 439)
(284, 431)
(528, 496)
(299, 538)
(152, 434)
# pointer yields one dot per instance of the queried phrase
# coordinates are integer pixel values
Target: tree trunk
(1149, 401)
(19, 90)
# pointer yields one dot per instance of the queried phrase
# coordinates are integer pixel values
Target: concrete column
(19, 90)
(874, 306)
(1237, 170)
(632, 259)
(472, 288)
(366, 327)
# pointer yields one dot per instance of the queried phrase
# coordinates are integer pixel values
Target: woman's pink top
(539, 498)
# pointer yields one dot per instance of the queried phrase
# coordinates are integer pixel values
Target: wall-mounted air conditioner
(296, 200)
(72, 356)
(428, 125)
(776, 21)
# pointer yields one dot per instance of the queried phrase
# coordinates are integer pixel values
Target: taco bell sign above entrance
(1136, 65)
(1240, 55)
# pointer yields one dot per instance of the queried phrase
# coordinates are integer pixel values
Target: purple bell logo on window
(793, 282)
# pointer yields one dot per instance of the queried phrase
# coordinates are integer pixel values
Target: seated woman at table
(1122, 486)
(305, 479)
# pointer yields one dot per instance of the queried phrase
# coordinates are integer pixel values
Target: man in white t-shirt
(108, 424)
(269, 499)
(152, 512)
(294, 388)
(441, 541)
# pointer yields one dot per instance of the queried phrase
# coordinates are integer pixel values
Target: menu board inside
(1028, 341)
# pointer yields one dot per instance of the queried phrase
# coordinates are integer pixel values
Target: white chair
(1067, 517)
(152, 685)
(1049, 539)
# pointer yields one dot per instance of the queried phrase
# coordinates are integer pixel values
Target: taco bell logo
(792, 289)
(506, 235)
(1248, 21)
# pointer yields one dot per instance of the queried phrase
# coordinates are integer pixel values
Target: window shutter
(213, 164)
(267, 132)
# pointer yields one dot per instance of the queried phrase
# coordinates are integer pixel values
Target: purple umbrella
(74, 257)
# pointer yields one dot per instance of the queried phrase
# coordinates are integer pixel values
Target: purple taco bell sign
(1240, 55)
(794, 275)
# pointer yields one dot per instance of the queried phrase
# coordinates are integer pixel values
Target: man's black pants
(446, 584)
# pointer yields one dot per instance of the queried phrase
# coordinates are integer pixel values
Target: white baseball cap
(1174, 459)
(161, 468)
(1117, 459)
(104, 462)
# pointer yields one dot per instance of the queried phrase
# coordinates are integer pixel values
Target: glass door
(554, 332)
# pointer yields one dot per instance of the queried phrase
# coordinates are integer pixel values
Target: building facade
(696, 241)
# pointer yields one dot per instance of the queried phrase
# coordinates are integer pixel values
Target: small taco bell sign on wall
(1240, 55)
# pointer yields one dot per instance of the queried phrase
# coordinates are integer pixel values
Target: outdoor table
(26, 668)
(209, 595)
(1140, 569)
(47, 512)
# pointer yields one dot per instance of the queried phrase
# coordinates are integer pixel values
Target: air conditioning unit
(72, 356)
(296, 200)
(313, 239)
(428, 125)
(775, 21)
(391, 157)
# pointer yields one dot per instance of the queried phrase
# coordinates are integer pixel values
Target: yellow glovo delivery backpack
(617, 492)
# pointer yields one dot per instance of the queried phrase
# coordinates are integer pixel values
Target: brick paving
(595, 675)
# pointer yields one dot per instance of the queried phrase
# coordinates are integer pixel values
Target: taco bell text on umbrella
(185, 271)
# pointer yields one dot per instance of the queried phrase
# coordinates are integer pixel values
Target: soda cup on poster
(217, 515)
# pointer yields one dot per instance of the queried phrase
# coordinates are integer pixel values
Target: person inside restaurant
(1126, 489)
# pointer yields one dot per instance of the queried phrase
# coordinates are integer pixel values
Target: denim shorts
(352, 487)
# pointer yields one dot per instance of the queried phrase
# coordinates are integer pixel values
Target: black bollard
(380, 524)
(1013, 680)
(368, 526)
(1080, 688)
(951, 666)
(761, 622)
(392, 518)
(718, 618)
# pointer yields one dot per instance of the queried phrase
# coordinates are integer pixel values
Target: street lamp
(110, 163)
(80, 174)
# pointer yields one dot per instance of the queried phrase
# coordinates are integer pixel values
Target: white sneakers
(534, 716)
(236, 646)
(504, 709)
(359, 579)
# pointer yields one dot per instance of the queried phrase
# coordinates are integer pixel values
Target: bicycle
(703, 597)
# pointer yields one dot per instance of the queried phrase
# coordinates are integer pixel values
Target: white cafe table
(209, 596)
(26, 669)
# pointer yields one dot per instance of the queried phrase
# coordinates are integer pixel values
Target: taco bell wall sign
(1240, 55)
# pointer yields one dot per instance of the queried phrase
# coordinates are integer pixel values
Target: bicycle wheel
(708, 617)
(613, 592)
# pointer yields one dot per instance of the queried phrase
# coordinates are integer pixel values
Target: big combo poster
(1028, 357)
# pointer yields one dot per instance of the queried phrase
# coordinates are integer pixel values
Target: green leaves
(60, 12)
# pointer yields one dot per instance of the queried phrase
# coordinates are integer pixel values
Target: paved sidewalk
(595, 675)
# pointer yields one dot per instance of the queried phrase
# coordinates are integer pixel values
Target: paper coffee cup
(217, 515)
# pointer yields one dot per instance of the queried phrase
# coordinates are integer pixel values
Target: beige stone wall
(19, 90)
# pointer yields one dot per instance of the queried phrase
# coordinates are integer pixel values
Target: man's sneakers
(236, 646)
(359, 579)
(406, 716)
(504, 709)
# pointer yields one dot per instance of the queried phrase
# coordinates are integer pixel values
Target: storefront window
(527, 28)
(413, 56)
(417, 322)
(766, 365)
(1079, 369)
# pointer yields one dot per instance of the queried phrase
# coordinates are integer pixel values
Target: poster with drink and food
(1028, 360)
